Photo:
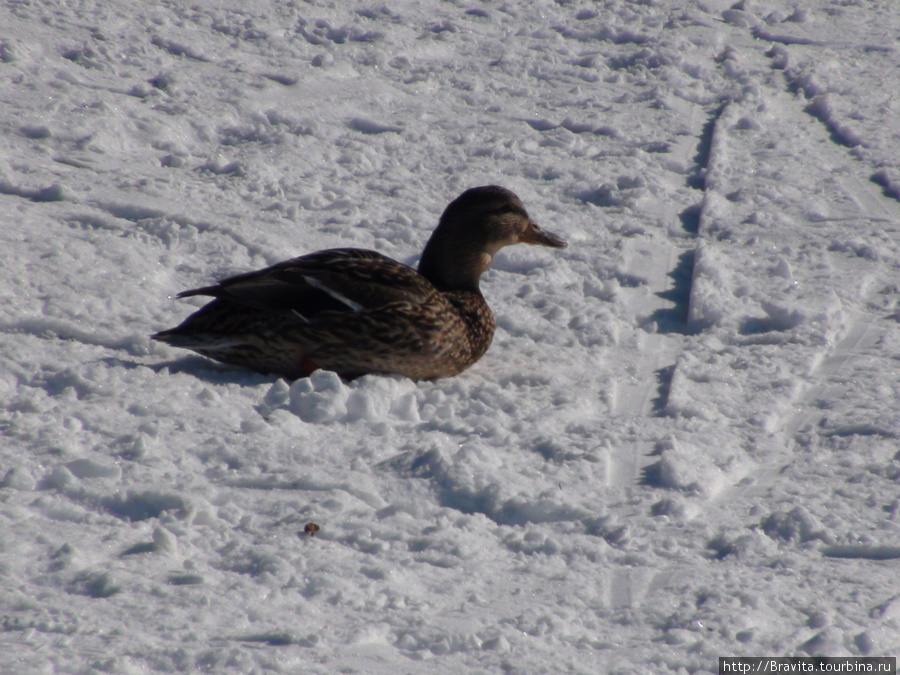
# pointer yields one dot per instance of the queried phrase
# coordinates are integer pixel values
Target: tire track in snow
(629, 588)
(861, 335)
(799, 429)
(659, 302)
(862, 331)
(647, 378)
(873, 203)
(641, 393)
(662, 302)
(661, 306)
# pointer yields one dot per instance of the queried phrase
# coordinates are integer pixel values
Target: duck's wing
(336, 280)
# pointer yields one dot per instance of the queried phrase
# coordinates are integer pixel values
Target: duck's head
(473, 227)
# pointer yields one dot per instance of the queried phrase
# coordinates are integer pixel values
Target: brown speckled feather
(355, 311)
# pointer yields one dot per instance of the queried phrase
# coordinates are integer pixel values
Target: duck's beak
(533, 234)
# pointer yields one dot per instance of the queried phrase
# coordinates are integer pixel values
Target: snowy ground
(683, 443)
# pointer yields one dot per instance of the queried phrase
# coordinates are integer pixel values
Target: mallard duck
(355, 311)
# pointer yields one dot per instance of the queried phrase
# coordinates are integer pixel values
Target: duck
(357, 312)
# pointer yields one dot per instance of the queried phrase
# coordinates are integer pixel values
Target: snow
(683, 443)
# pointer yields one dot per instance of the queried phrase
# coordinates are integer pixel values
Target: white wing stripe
(315, 283)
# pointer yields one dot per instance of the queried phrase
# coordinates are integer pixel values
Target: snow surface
(683, 443)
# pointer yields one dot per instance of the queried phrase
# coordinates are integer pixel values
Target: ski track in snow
(682, 444)
(860, 332)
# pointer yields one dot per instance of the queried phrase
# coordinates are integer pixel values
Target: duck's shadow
(199, 367)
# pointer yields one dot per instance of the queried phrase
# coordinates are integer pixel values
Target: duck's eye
(509, 208)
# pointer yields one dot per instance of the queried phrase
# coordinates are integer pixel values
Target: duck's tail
(197, 340)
